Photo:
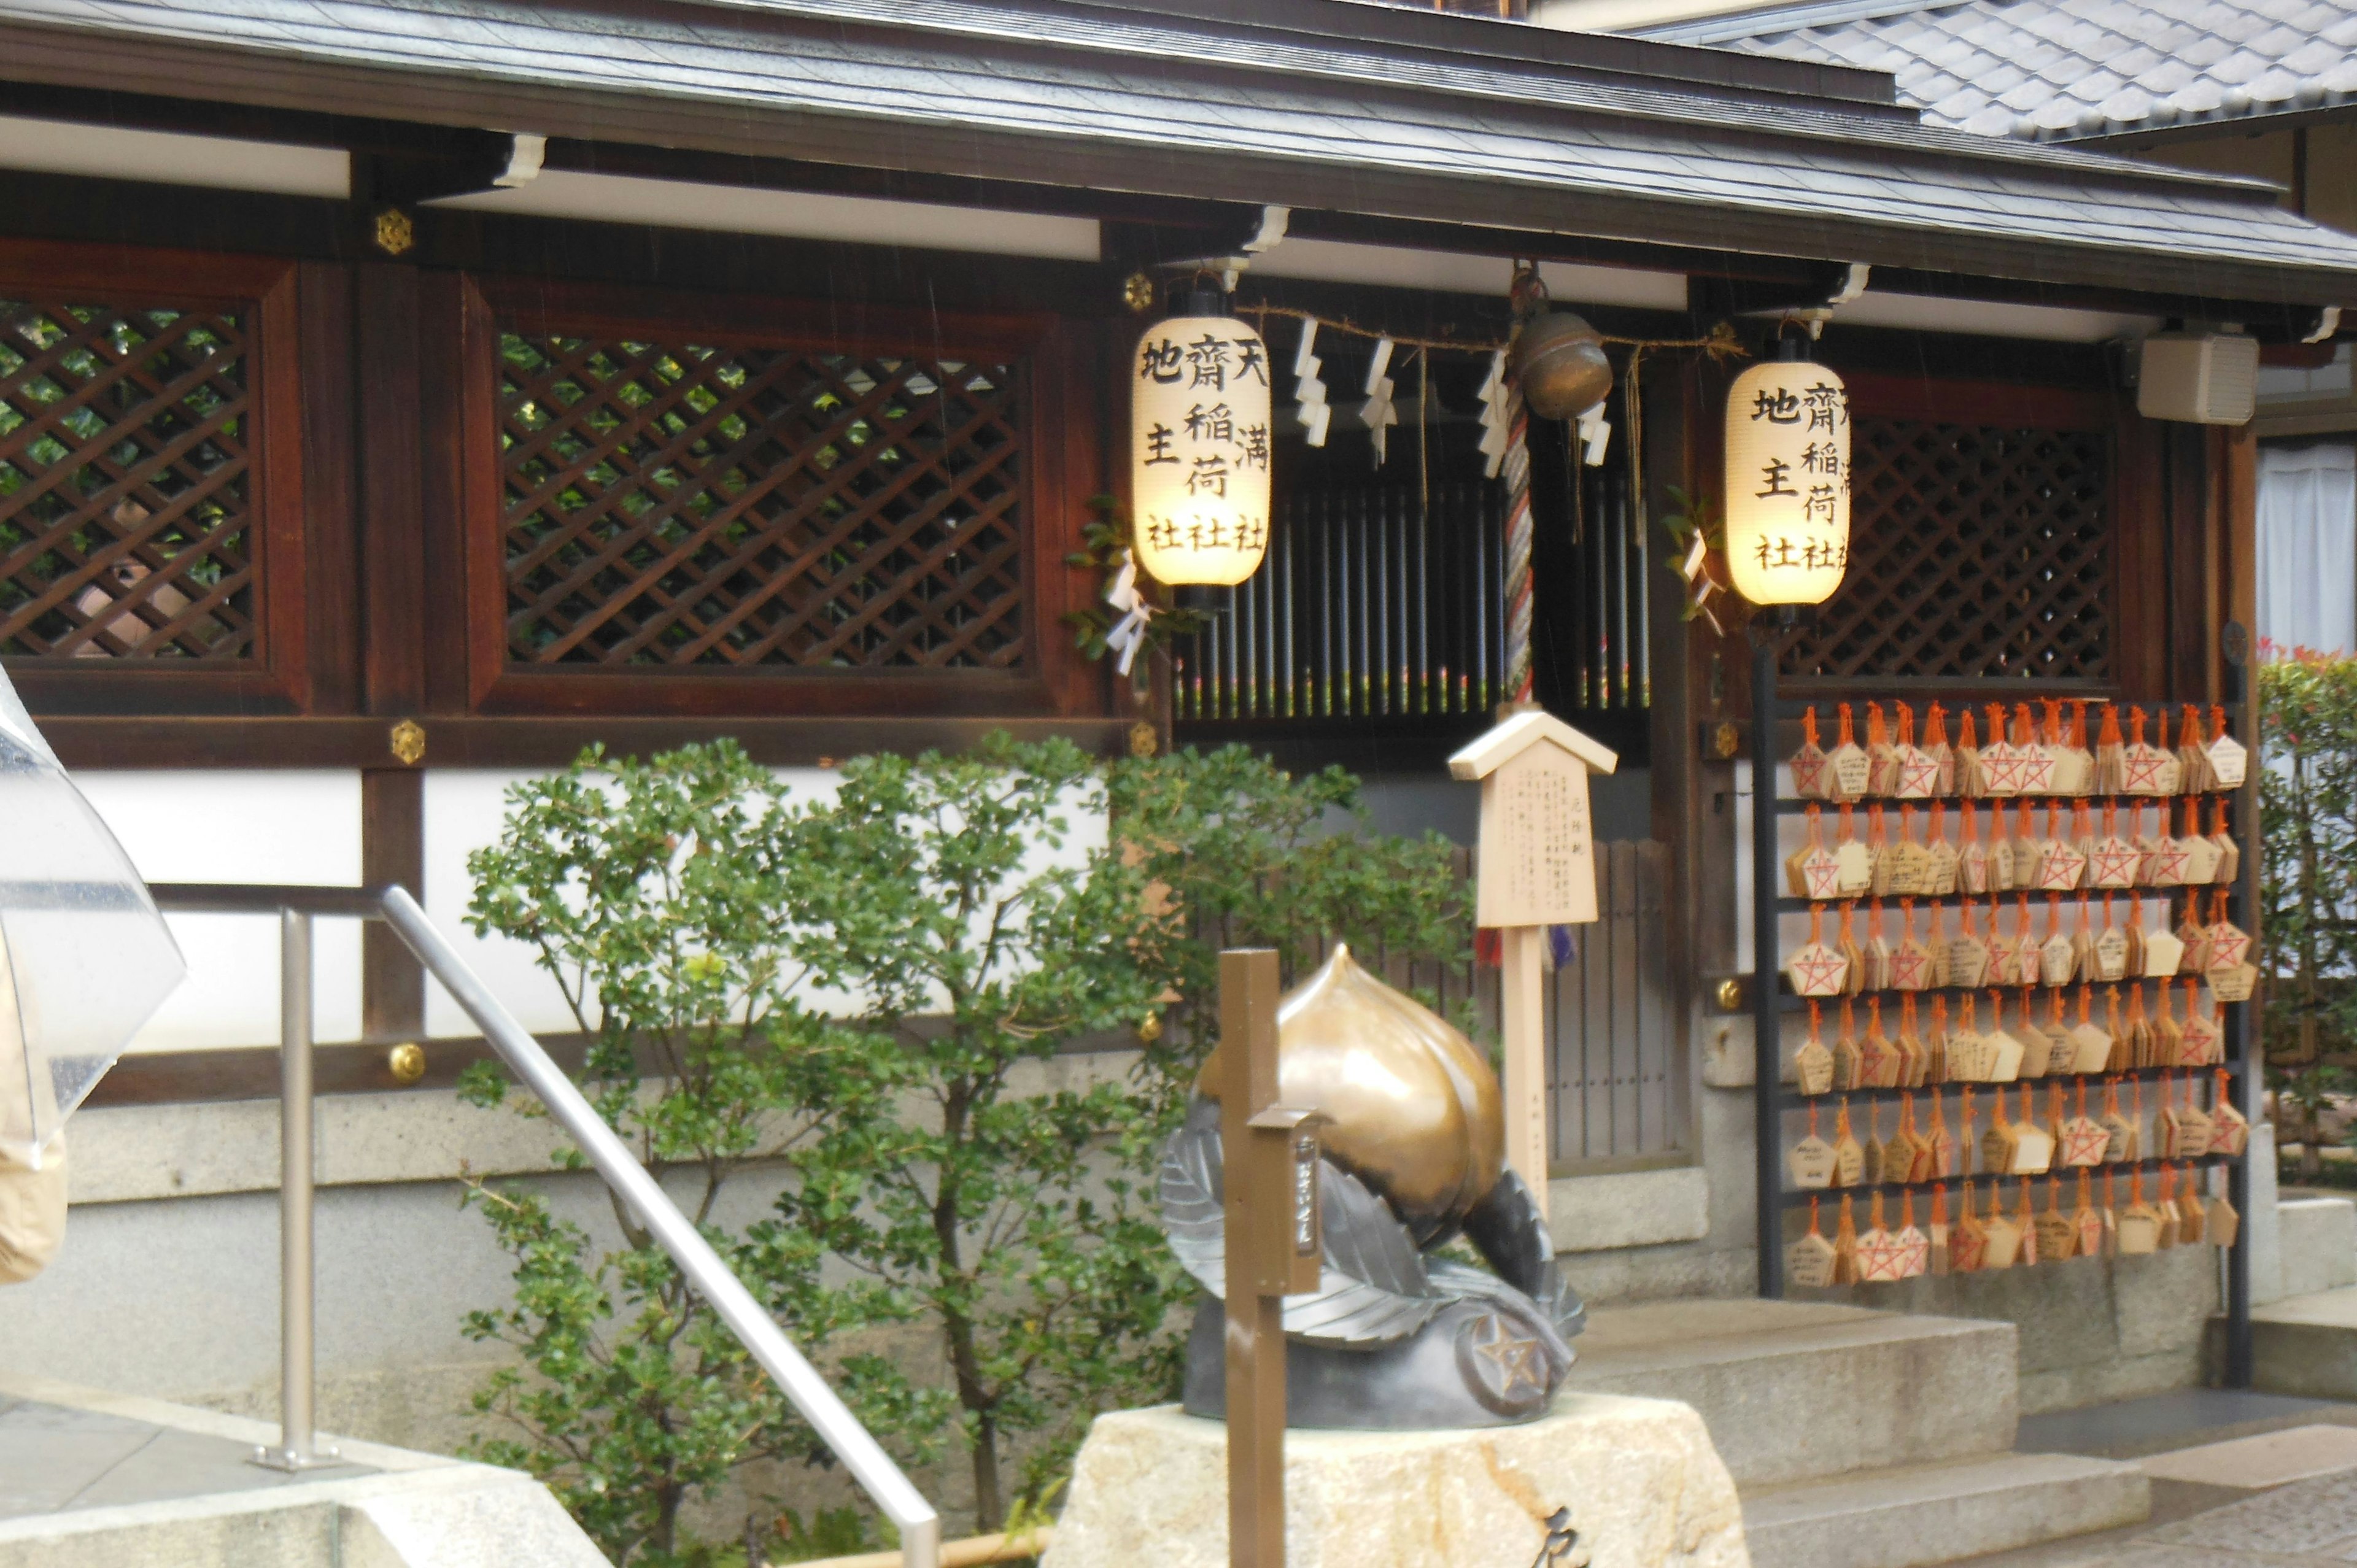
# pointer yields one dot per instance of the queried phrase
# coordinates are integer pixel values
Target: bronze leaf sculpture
(1395, 1337)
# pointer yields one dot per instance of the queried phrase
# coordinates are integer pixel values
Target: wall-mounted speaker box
(2200, 378)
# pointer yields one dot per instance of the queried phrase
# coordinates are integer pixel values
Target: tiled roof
(2057, 70)
(1264, 108)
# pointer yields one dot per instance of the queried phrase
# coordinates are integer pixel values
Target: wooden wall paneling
(450, 335)
(393, 533)
(483, 546)
(280, 427)
(1069, 443)
(2141, 561)
(2239, 502)
(2191, 561)
(331, 555)
(392, 849)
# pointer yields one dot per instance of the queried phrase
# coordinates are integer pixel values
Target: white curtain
(2308, 547)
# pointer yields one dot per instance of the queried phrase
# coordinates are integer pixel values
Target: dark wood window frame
(279, 677)
(2138, 621)
(1059, 469)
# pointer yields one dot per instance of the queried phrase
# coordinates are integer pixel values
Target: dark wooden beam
(223, 1074)
(330, 558)
(393, 850)
(475, 741)
(392, 514)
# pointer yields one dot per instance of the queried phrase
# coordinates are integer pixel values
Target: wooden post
(1538, 869)
(1523, 1024)
(1269, 1174)
(1248, 984)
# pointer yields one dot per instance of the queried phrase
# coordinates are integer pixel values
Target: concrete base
(2320, 1244)
(1644, 1487)
(1628, 1209)
(107, 1481)
(1795, 1390)
(2307, 1344)
(1916, 1515)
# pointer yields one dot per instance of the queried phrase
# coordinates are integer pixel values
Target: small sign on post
(1538, 869)
(1268, 1174)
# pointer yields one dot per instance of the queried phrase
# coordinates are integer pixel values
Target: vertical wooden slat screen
(1611, 1032)
(1613, 1055)
(1371, 603)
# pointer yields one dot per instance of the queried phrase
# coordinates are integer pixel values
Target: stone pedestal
(1644, 1487)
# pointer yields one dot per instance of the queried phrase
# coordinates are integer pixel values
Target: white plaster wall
(304, 827)
(205, 825)
(463, 813)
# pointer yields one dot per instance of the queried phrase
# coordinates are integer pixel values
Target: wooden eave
(39, 44)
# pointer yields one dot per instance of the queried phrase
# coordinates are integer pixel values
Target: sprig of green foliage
(1104, 543)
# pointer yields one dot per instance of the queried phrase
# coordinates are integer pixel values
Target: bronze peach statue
(1397, 1336)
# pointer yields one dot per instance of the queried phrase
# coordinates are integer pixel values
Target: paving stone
(2318, 1518)
(54, 1458)
(2269, 1459)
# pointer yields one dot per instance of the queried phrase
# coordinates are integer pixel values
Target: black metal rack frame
(1771, 1001)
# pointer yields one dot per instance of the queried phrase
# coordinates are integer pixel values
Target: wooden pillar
(392, 849)
(1255, 1336)
(393, 613)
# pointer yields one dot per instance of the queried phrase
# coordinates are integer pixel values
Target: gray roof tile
(2142, 61)
(1146, 102)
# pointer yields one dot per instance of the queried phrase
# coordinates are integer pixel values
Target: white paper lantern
(1199, 449)
(1787, 482)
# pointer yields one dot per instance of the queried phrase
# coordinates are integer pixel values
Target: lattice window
(684, 505)
(126, 526)
(1976, 552)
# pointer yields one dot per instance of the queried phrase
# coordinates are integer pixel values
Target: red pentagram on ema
(2144, 771)
(1818, 971)
(2114, 864)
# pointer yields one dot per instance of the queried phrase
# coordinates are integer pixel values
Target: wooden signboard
(1538, 869)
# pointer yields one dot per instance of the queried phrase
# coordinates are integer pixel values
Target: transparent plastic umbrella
(84, 957)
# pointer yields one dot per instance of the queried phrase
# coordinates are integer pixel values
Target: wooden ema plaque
(1538, 869)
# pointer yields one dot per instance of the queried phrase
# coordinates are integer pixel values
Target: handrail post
(919, 1524)
(298, 1446)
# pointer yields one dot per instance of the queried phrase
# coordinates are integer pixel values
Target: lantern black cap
(1198, 296)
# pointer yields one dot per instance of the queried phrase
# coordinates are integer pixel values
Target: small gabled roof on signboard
(1518, 735)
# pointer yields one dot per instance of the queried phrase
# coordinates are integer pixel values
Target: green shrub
(2308, 869)
(943, 1166)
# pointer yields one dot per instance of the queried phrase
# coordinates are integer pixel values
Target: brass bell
(1557, 359)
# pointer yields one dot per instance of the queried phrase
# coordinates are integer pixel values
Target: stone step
(2307, 1344)
(1910, 1516)
(1800, 1391)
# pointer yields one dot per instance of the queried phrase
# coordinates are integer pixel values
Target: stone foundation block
(1644, 1487)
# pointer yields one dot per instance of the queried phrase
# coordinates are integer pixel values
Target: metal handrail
(919, 1524)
